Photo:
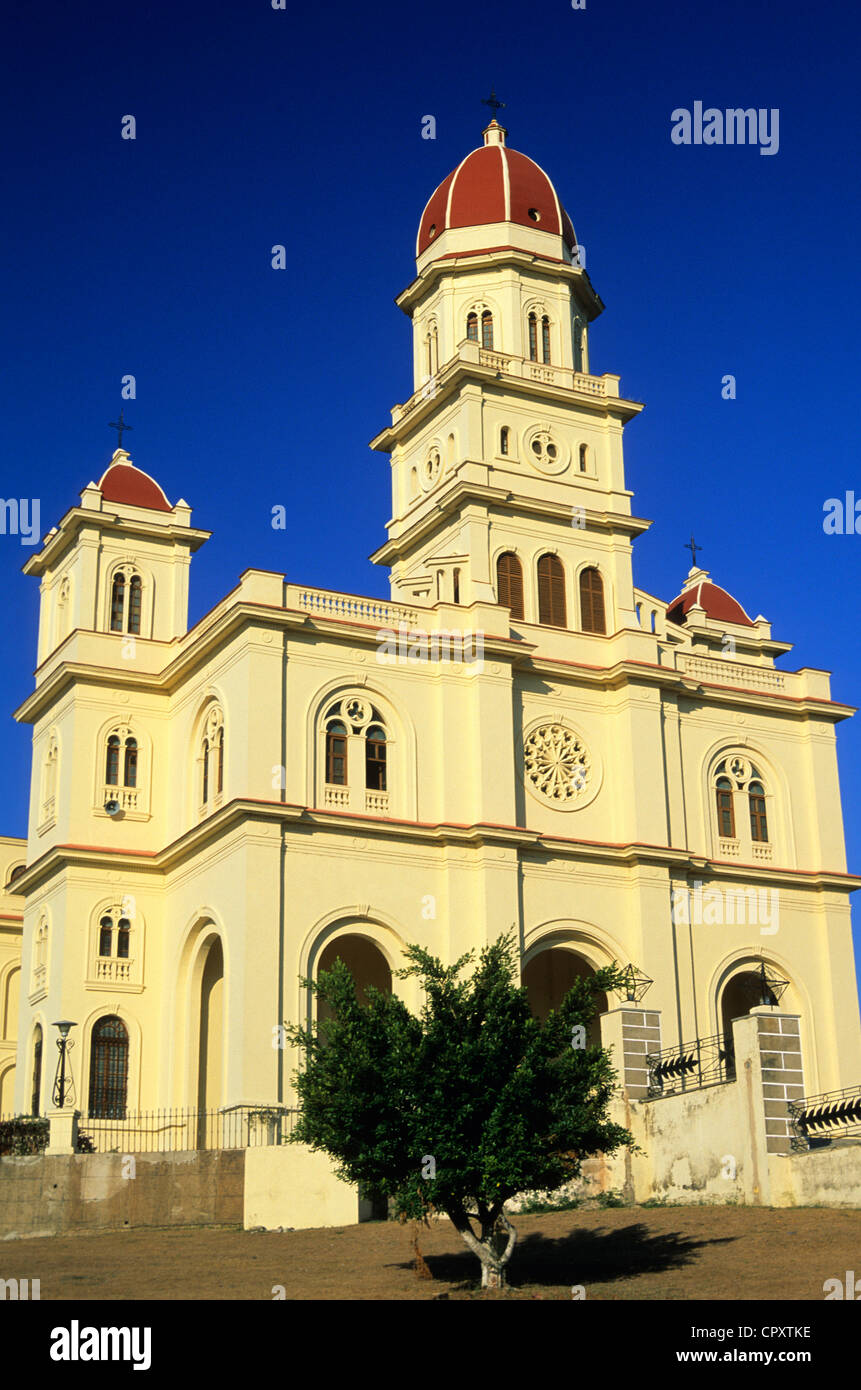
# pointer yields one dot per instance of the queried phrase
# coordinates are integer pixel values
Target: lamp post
(64, 1046)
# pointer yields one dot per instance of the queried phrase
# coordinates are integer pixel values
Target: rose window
(556, 764)
(545, 451)
(431, 468)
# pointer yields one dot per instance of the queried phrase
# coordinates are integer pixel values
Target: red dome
(718, 604)
(122, 482)
(494, 184)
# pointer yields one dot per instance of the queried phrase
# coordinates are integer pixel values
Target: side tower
(113, 612)
(508, 446)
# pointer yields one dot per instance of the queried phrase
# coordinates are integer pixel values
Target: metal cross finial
(119, 426)
(492, 102)
(693, 548)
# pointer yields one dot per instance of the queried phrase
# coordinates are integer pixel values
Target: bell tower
(117, 563)
(508, 445)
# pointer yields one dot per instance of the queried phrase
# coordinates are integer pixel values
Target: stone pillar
(782, 1073)
(64, 1132)
(632, 1032)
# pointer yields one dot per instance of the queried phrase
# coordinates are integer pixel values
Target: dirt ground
(619, 1253)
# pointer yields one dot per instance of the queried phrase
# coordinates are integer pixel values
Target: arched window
(584, 457)
(592, 601)
(545, 338)
(109, 1067)
(533, 337)
(118, 600)
(37, 1070)
(356, 749)
(114, 942)
(509, 584)
(504, 436)
(758, 821)
(49, 775)
(134, 623)
(375, 759)
(725, 812)
(16, 873)
(112, 762)
(63, 609)
(472, 327)
(130, 763)
(106, 936)
(126, 601)
(211, 759)
(455, 585)
(487, 329)
(40, 955)
(551, 591)
(336, 754)
(736, 778)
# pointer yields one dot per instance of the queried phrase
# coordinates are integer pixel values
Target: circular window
(535, 214)
(432, 231)
(431, 469)
(557, 766)
(547, 453)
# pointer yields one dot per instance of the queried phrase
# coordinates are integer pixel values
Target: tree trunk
(494, 1247)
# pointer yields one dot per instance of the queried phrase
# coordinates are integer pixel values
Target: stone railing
(337, 796)
(324, 603)
(731, 673)
(107, 968)
(126, 796)
(512, 365)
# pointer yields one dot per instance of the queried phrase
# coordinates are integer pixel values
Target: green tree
(464, 1106)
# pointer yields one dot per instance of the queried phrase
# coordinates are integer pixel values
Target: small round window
(535, 214)
(432, 231)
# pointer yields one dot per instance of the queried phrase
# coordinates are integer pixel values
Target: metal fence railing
(691, 1066)
(170, 1131)
(820, 1120)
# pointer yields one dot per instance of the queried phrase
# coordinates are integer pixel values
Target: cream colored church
(519, 735)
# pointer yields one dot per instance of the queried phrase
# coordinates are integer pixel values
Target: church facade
(519, 737)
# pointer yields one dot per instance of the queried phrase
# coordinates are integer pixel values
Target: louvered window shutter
(551, 591)
(509, 578)
(592, 601)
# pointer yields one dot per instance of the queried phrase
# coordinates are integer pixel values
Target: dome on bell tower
(493, 185)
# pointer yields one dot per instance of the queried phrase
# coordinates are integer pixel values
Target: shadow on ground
(579, 1257)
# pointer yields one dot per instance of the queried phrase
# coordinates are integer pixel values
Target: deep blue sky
(257, 387)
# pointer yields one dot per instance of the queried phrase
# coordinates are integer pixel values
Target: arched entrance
(210, 1055)
(369, 968)
(548, 978)
(365, 962)
(741, 993)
